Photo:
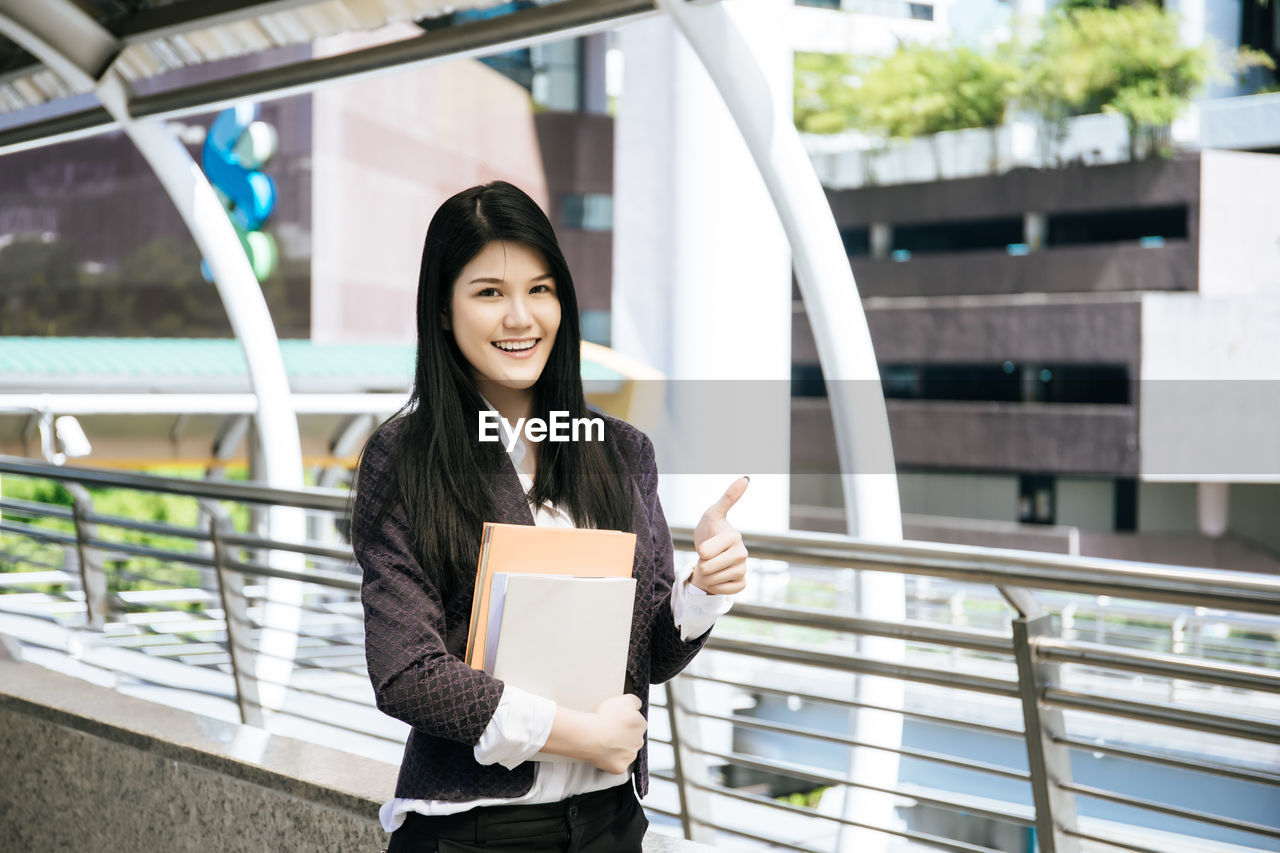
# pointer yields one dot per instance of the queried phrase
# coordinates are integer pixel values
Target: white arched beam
(78, 49)
(848, 362)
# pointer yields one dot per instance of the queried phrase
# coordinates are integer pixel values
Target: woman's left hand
(722, 558)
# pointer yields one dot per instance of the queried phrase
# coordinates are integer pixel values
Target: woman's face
(504, 313)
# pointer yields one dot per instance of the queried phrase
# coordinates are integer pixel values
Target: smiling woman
(498, 340)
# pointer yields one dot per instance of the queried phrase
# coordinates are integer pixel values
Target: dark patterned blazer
(415, 642)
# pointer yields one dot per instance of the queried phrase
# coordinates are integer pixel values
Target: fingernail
(748, 476)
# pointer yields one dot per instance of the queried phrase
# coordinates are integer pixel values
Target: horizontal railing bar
(924, 838)
(1037, 570)
(1110, 842)
(849, 703)
(33, 531)
(247, 540)
(1162, 808)
(189, 557)
(808, 774)
(1234, 726)
(320, 577)
(45, 510)
(331, 500)
(843, 740)
(969, 638)
(29, 561)
(1242, 773)
(866, 666)
(1171, 666)
(159, 528)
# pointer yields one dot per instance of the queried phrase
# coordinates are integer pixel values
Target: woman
(498, 329)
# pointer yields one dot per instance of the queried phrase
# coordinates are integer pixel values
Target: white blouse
(522, 722)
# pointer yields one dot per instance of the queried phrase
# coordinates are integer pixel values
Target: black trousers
(608, 821)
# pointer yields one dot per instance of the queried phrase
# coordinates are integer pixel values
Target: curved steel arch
(845, 352)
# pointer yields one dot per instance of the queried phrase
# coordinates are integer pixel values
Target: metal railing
(1042, 702)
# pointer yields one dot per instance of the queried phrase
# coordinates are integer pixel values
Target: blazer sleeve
(415, 678)
(669, 653)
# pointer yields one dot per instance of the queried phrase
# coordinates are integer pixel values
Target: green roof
(209, 357)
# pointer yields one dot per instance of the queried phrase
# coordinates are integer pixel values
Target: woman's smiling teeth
(514, 346)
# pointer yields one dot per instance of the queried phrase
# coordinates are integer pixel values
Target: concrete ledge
(88, 768)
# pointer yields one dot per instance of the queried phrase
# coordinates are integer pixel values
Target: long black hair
(442, 473)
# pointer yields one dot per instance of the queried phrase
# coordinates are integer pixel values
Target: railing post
(93, 577)
(235, 611)
(1048, 760)
(690, 765)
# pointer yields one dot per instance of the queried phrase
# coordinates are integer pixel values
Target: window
(1035, 499)
(1098, 384)
(1126, 504)
(1150, 226)
(821, 4)
(857, 241)
(806, 381)
(960, 236)
(588, 212)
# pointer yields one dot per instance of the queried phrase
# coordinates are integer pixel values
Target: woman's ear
(444, 320)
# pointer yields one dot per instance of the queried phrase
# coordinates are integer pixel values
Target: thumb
(720, 508)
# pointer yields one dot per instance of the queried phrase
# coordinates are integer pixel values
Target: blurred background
(1062, 224)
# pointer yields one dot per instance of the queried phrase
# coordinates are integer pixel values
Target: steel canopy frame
(81, 51)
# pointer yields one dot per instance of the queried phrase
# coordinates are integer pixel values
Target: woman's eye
(489, 291)
(542, 288)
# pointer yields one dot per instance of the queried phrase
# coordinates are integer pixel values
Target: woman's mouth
(517, 349)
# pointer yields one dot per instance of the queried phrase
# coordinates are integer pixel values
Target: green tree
(825, 93)
(1129, 60)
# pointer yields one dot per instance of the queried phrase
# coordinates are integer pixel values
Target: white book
(561, 637)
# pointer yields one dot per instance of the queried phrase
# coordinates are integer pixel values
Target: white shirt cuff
(693, 609)
(519, 728)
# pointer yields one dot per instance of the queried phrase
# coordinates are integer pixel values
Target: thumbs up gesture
(722, 558)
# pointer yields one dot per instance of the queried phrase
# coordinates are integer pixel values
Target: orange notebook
(583, 553)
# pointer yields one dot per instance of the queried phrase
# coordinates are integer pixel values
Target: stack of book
(552, 610)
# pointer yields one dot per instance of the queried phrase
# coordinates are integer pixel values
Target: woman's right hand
(620, 733)
(609, 737)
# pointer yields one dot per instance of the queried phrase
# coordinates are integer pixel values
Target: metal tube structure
(81, 51)
(845, 351)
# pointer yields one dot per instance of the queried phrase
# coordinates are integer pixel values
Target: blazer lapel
(510, 505)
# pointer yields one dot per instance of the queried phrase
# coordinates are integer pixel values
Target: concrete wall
(89, 769)
(1123, 185)
(1210, 395)
(1239, 228)
(86, 768)
(1066, 269)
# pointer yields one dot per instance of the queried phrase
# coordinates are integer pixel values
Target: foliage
(129, 573)
(1088, 57)
(918, 89)
(1129, 60)
(826, 96)
(926, 88)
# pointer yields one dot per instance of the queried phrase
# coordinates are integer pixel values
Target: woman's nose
(518, 313)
